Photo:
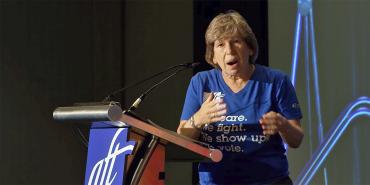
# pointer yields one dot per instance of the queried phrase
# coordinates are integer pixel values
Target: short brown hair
(227, 24)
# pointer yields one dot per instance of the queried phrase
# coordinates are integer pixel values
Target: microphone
(191, 64)
(186, 65)
(141, 98)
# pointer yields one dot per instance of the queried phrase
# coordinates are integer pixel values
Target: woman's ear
(251, 51)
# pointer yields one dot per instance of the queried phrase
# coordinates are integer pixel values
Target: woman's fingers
(217, 119)
(214, 103)
(212, 110)
(216, 107)
(269, 123)
(210, 97)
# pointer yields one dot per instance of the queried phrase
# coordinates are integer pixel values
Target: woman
(243, 109)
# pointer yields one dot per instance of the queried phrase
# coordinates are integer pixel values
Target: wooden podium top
(214, 155)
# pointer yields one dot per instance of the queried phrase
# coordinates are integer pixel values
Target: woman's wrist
(192, 123)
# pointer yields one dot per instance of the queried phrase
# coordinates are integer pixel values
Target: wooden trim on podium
(154, 169)
(213, 154)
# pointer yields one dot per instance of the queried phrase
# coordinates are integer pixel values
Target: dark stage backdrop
(52, 53)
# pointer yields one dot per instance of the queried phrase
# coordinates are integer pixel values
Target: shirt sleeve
(193, 95)
(286, 99)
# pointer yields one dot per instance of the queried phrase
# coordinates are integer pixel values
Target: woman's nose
(229, 49)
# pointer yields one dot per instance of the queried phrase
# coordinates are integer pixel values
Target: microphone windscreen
(195, 64)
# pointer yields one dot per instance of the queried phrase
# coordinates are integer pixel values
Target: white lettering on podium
(108, 162)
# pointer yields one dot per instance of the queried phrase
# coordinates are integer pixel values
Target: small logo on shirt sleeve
(295, 106)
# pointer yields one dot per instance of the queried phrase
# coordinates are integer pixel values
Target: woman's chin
(231, 73)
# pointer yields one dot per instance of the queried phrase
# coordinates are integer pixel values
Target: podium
(127, 149)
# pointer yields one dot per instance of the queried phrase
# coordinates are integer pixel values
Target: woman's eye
(220, 45)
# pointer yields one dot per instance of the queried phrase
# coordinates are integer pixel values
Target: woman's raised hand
(212, 110)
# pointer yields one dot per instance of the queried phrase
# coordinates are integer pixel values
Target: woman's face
(232, 55)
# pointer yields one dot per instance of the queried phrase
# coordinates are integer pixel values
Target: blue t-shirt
(248, 156)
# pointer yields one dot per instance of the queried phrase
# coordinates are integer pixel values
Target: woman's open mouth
(233, 62)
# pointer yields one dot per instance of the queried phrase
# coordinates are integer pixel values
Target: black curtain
(52, 53)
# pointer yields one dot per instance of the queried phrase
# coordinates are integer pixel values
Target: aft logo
(107, 152)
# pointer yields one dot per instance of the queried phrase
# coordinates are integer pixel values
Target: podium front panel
(107, 152)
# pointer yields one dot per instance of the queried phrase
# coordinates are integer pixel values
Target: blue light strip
(326, 148)
(320, 131)
(332, 137)
(316, 78)
(326, 175)
(308, 88)
(361, 100)
(295, 49)
(356, 179)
